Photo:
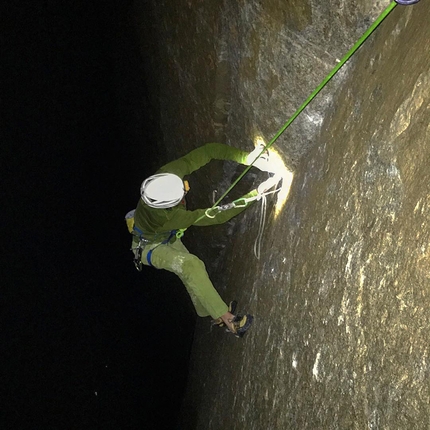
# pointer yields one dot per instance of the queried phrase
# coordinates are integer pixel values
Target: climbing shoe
(241, 324)
(231, 308)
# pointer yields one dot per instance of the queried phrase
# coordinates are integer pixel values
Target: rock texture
(341, 291)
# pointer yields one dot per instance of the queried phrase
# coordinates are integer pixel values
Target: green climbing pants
(176, 258)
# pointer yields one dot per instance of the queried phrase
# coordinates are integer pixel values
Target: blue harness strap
(149, 255)
(138, 231)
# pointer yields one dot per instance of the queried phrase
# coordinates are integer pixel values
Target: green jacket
(156, 224)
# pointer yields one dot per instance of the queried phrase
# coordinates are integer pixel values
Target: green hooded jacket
(156, 224)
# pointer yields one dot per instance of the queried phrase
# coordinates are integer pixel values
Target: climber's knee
(193, 264)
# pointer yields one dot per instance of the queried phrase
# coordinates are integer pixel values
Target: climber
(161, 211)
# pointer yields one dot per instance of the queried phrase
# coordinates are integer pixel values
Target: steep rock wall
(340, 294)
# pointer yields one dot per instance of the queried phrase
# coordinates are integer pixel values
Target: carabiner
(212, 209)
(237, 203)
(137, 260)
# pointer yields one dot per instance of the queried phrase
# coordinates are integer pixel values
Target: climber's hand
(268, 184)
(262, 159)
(262, 162)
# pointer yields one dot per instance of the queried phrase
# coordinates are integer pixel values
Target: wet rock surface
(340, 294)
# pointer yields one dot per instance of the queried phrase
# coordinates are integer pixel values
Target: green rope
(349, 54)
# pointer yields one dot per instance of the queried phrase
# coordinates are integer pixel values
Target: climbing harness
(138, 250)
(341, 63)
(143, 242)
(165, 242)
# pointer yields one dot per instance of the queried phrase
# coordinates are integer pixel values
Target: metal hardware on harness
(227, 206)
(137, 260)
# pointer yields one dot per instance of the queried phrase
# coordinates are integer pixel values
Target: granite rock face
(341, 293)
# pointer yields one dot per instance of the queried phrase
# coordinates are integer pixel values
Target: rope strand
(258, 240)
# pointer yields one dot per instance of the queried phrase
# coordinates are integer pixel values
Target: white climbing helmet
(162, 191)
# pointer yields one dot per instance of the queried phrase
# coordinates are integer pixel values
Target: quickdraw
(239, 203)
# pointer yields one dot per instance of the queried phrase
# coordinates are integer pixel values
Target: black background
(87, 341)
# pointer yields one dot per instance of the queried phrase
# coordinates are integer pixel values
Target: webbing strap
(138, 231)
(149, 255)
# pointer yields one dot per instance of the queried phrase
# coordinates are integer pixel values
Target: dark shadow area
(86, 340)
